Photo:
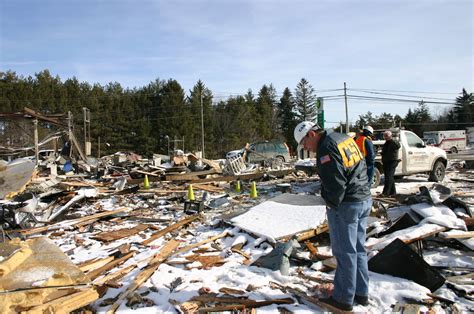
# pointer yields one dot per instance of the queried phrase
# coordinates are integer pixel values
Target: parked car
(261, 151)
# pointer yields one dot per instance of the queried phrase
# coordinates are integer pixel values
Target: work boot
(339, 305)
(362, 300)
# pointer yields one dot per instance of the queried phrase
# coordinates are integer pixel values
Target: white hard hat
(302, 129)
(369, 129)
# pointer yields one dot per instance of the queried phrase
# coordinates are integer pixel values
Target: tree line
(149, 119)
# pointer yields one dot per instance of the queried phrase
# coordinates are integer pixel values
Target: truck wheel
(454, 150)
(376, 178)
(438, 172)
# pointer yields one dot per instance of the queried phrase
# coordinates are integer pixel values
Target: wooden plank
(208, 188)
(119, 234)
(244, 177)
(168, 229)
(406, 240)
(239, 304)
(462, 279)
(143, 276)
(306, 298)
(40, 116)
(72, 222)
(94, 264)
(457, 235)
(67, 303)
(147, 173)
(161, 191)
(97, 272)
(189, 176)
(115, 275)
(195, 245)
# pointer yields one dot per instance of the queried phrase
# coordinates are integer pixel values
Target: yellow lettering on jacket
(350, 153)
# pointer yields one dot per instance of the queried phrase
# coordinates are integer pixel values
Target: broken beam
(168, 229)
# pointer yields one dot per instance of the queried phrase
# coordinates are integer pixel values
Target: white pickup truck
(415, 157)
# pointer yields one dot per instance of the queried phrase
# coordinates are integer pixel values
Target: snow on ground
(177, 283)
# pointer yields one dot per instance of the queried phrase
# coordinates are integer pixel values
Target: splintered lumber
(208, 188)
(390, 201)
(73, 222)
(207, 261)
(457, 234)
(407, 237)
(168, 229)
(189, 176)
(195, 245)
(462, 279)
(147, 173)
(68, 303)
(119, 234)
(149, 270)
(96, 263)
(244, 177)
(97, 272)
(115, 275)
(240, 304)
(305, 235)
(304, 298)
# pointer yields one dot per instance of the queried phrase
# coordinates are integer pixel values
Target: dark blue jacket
(342, 169)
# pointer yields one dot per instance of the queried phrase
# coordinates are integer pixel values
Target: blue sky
(236, 45)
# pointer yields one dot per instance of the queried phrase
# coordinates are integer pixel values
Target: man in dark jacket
(390, 161)
(341, 167)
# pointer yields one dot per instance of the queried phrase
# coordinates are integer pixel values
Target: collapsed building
(187, 234)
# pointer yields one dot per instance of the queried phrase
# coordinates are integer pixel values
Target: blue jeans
(347, 224)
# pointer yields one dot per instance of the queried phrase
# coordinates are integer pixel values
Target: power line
(404, 91)
(399, 100)
(400, 95)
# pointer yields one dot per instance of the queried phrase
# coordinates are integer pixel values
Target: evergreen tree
(194, 99)
(419, 119)
(463, 112)
(264, 110)
(287, 118)
(305, 101)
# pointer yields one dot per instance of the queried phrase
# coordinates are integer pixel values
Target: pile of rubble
(195, 235)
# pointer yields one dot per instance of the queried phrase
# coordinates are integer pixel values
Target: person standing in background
(364, 142)
(390, 162)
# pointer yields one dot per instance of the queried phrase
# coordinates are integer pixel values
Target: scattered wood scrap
(119, 234)
(170, 228)
(149, 270)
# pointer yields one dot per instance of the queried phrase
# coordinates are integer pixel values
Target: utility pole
(35, 122)
(98, 147)
(202, 127)
(347, 114)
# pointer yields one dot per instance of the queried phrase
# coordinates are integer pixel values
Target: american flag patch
(325, 159)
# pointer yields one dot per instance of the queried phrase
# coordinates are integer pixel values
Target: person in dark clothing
(343, 173)
(390, 162)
